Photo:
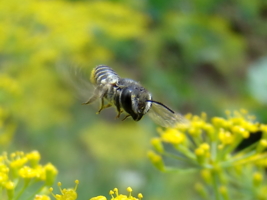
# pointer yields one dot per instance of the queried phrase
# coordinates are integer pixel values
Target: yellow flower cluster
(66, 194)
(213, 148)
(20, 171)
(9, 85)
(208, 144)
(116, 196)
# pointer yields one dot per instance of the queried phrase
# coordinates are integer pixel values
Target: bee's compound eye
(126, 99)
(127, 103)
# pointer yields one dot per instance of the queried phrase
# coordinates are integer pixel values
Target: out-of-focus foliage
(257, 80)
(192, 55)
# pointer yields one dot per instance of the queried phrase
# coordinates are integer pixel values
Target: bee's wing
(77, 79)
(164, 116)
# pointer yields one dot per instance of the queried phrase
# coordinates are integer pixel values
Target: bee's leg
(125, 117)
(98, 93)
(119, 113)
(92, 99)
(103, 106)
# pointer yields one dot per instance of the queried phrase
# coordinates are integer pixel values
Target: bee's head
(134, 100)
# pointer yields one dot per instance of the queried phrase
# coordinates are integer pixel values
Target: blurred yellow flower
(116, 196)
(212, 149)
(41, 197)
(20, 168)
(208, 144)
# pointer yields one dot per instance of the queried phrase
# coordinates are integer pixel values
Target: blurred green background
(195, 56)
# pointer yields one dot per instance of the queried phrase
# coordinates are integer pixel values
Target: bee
(129, 96)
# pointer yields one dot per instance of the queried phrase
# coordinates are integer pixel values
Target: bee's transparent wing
(164, 116)
(77, 79)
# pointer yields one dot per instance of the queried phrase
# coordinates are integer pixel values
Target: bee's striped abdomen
(104, 75)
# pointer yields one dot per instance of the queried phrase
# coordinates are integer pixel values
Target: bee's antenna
(152, 101)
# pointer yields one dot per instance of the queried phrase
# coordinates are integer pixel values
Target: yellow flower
(212, 148)
(172, 136)
(116, 196)
(18, 160)
(226, 137)
(66, 194)
(9, 85)
(99, 198)
(50, 174)
(156, 160)
(24, 168)
(28, 173)
(224, 192)
(34, 158)
(257, 179)
(156, 142)
(41, 197)
(208, 144)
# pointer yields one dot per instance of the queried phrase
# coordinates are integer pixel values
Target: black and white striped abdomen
(102, 75)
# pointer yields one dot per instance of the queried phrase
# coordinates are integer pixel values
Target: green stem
(235, 159)
(230, 148)
(26, 183)
(215, 184)
(182, 171)
(214, 150)
(183, 159)
(249, 157)
(36, 192)
(186, 152)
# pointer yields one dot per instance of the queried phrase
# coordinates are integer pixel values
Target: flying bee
(129, 96)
